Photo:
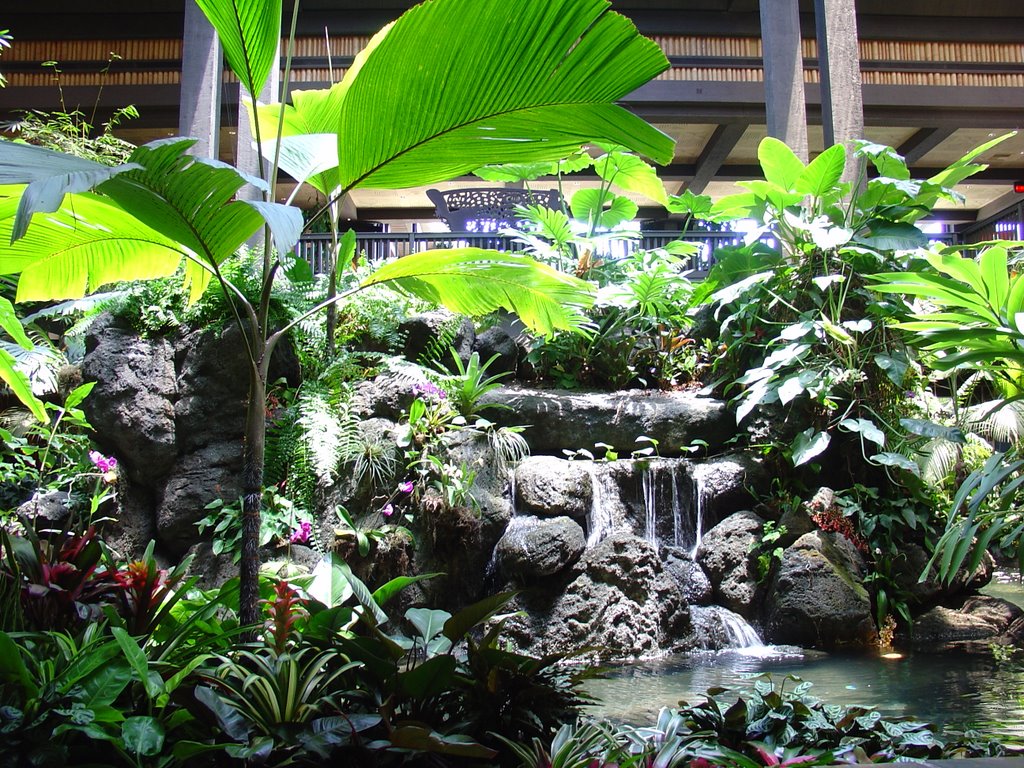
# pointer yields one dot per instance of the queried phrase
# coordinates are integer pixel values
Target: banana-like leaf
(524, 82)
(629, 172)
(49, 175)
(474, 281)
(191, 200)
(20, 386)
(88, 243)
(779, 164)
(249, 32)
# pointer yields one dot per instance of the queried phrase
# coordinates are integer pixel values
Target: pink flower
(431, 390)
(301, 534)
(388, 510)
(406, 487)
(103, 463)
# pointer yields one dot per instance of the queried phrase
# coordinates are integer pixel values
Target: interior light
(892, 655)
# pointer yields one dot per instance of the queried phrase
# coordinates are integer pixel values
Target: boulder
(197, 479)
(616, 601)
(498, 343)
(433, 333)
(389, 394)
(981, 620)
(726, 555)
(726, 484)
(46, 509)
(131, 407)
(816, 598)
(564, 419)
(548, 486)
(532, 547)
(694, 584)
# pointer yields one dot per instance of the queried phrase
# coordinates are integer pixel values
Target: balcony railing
(378, 246)
(385, 245)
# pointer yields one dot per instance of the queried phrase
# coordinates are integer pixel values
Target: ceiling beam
(716, 150)
(999, 205)
(923, 142)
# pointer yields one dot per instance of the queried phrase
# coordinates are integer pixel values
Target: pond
(950, 689)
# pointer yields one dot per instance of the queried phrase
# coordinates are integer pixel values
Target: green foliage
(279, 520)
(808, 331)
(636, 334)
(470, 383)
(767, 549)
(765, 726)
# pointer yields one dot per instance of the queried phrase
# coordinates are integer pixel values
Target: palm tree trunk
(253, 454)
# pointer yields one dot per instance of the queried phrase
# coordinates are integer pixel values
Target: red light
(1018, 187)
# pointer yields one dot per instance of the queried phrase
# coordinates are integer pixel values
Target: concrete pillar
(246, 157)
(842, 103)
(199, 113)
(784, 74)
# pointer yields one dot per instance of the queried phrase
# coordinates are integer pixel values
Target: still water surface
(950, 689)
(957, 690)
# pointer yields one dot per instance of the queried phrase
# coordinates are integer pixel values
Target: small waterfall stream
(599, 518)
(648, 485)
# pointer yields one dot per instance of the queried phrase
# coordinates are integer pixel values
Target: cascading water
(649, 485)
(699, 499)
(599, 518)
(720, 628)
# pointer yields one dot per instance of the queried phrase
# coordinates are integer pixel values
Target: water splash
(718, 628)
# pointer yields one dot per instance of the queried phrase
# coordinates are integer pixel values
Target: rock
(563, 419)
(726, 556)
(726, 483)
(816, 598)
(618, 602)
(533, 548)
(980, 621)
(197, 479)
(694, 584)
(498, 343)
(548, 486)
(389, 394)
(910, 564)
(46, 509)
(435, 332)
(131, 407)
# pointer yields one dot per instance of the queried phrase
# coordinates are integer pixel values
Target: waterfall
(649, 484)
(718, 628)
(699, 501)
(599, 519)
(677, 510)
(739, 632)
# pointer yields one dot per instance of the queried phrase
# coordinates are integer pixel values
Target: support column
(199, 113)
(246, 157)
(842, 102)
(784, 74)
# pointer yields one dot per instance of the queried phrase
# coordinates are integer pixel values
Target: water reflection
(958, 690)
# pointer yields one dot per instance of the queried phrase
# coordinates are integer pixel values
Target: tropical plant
(970, 320)
(802, 329)
(572, 59)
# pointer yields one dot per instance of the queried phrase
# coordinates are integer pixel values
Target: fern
(440, 349)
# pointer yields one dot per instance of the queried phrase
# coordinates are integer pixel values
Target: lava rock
(533, 548)
(726, 555)
(816, 598)
(548, 486)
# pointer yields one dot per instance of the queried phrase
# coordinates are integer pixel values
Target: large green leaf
(474, 281)
(629, 172)
(249, 31)
(778, 163)
(823, 172)
(192, 200)
(89, 242)
(521, 82)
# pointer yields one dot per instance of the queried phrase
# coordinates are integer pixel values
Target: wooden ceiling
(940, 77)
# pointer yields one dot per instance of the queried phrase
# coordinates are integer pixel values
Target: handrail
(378, 246)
